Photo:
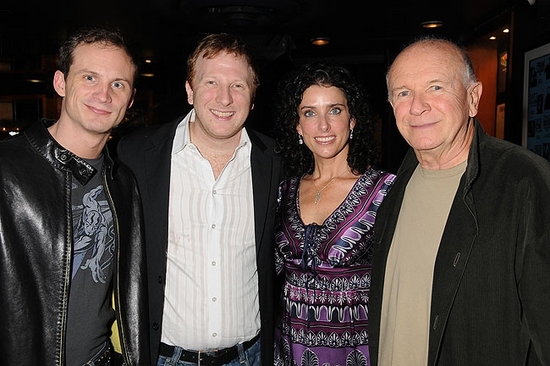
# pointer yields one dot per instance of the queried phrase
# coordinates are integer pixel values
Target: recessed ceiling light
(320, 41)
(432, 24)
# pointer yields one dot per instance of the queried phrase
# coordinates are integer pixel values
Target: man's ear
(474, 96)
(131, 102)
(59, 83)
(189, 91)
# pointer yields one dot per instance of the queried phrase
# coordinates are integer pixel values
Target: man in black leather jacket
(71, 223)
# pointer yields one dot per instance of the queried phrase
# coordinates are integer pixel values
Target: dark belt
(211, 358)
(102, 359)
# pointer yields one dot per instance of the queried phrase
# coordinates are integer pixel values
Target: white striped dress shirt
(211, 296)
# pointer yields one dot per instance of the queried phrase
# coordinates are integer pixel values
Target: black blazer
(148, 152)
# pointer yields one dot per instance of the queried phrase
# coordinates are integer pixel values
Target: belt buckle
(199, 358)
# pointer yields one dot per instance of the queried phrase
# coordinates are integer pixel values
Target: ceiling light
(320, 41)
(432, 24)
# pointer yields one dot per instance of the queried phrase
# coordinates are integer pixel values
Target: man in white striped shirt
(209, 194)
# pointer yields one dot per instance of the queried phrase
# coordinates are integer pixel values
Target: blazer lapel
(263, 180)
(156, 158)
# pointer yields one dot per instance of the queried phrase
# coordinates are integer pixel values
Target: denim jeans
(250, 357)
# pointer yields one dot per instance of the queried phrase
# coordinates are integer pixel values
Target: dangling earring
(300, 140)
(351, 134)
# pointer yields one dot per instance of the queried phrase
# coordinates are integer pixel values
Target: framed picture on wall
(536, 101)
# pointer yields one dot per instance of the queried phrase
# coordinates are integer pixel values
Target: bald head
(434, 51)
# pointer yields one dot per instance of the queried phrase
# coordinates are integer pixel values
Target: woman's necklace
(318, 194)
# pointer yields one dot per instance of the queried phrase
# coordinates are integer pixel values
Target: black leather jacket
(36, 243)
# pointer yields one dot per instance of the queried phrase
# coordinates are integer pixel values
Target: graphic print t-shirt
(90, 312)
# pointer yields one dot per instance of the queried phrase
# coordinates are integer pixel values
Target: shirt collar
(182, 138)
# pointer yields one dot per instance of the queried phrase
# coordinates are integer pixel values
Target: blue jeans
(250, 357)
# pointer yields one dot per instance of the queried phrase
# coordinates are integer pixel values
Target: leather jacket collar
(57, 155)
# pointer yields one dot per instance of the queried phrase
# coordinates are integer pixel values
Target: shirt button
(213, 226)
(214, 299)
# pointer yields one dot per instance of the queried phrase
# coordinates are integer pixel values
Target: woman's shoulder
(289, 183)
(377, 175)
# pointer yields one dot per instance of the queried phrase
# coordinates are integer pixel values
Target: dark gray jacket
(491, 287)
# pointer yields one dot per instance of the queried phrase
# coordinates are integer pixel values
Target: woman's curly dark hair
(298, 159)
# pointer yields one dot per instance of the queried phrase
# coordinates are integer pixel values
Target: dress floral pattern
(326, 268)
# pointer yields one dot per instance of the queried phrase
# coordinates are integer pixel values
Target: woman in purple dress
(327, 207)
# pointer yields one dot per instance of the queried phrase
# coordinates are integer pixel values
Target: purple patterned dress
(324, 314)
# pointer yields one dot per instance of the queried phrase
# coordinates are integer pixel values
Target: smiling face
(433, 101)
(97, 90)
(221, 94)
(325, 121)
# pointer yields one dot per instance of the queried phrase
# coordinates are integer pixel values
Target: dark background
(364, 36)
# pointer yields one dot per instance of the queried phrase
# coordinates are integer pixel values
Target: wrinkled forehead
(427, 58)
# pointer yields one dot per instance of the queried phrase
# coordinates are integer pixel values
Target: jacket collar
(472, 170)
(58, 156)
